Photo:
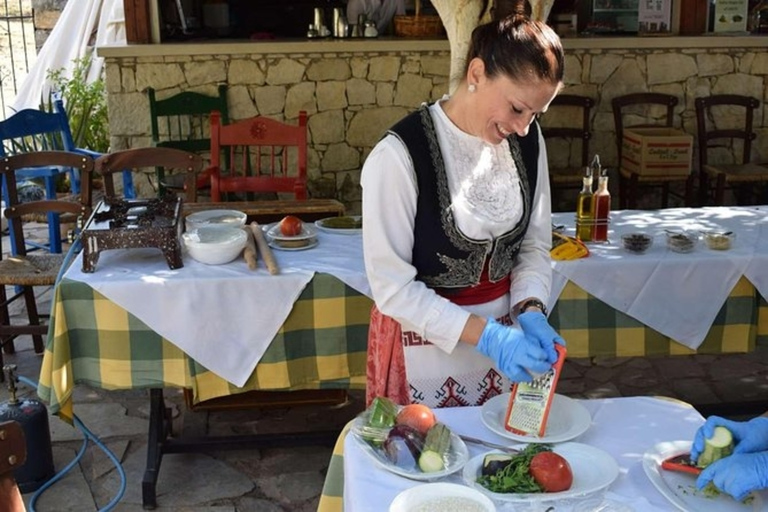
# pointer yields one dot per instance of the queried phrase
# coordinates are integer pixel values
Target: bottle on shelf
(584, 217)
(601, 203)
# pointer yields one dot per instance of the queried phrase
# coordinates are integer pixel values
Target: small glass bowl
(636, 243)
(681, 241)
(719, 240)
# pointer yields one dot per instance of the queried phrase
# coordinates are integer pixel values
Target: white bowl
(215, 218)
(441, 495)
(215, 245)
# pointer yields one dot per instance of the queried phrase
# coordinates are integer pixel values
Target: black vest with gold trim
(443, 257)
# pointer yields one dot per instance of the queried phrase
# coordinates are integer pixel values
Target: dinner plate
(327, 225)
(567, 419)
(307, 231)
(457, 456)
(593, 471)
(276, 244)
(680, 488)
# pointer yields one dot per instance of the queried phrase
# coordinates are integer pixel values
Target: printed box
(657, 151)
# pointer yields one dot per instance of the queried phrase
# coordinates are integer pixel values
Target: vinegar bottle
(601, 207)
(584, 217)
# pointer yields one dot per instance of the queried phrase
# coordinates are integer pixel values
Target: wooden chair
(265, 155)
(639, 106)
(181, 122)
(565, 141)
(724, 136)
(13, 454)
(185, 163)
(38, 268)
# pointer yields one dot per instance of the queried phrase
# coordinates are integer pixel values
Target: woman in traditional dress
(457, 217)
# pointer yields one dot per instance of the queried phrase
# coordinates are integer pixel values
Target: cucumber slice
(716, 447)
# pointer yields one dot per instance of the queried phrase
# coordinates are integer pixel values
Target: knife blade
(488, 444)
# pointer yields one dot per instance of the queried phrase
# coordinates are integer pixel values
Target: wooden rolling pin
(263, 247)
(249, 253)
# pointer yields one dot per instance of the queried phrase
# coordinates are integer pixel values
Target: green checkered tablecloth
(321, 345)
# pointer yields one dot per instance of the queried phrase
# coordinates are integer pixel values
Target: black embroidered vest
(442, 255)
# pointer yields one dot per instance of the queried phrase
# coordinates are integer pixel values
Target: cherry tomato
(290, 226)
(551, 471)
(417, 416)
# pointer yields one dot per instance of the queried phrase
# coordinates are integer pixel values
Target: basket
(418, 25)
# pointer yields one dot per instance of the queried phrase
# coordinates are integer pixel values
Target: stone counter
(354, 89)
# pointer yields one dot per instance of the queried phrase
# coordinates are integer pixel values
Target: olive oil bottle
(584, 214)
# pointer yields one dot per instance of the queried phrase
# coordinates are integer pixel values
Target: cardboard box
(657, 151)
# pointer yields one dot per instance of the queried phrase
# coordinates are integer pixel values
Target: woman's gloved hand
(536, 325)
(737, 474)
(748, 436)
(514, 352)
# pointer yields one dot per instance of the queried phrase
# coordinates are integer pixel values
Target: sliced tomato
(551, 471)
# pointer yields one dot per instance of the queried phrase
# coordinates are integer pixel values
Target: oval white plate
(457, 456)
(593, 470)
(321, 225)
(422, 494)
(567, 419)
(680, 488)
(273, 230)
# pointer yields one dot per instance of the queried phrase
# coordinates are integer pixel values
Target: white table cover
(678, 295)
(223, 316)
(626, 428)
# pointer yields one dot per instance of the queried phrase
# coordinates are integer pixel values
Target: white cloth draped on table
(678, 295)
(223, 316)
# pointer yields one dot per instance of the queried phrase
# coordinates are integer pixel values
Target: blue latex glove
(738, 474)
(515, 353)
(536, 325)
(748, 436)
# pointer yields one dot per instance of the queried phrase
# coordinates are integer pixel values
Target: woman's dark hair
(518, 48)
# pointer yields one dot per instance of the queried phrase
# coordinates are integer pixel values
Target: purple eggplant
(403, 446)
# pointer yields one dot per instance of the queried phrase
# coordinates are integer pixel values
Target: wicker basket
(418, 26)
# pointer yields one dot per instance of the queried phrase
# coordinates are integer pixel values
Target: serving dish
(215, 218)
(346, 225)
(719, 240)
(593, 471)
(457, 456)
(567, 419)
(273, 232)
(681, 241)
(680, 488)
(441, 496)
(636, 243)
(299, 245)
(215, 245)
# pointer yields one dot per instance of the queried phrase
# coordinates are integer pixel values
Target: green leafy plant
(85, 103)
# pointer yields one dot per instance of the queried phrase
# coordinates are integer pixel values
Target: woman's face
(504, 106)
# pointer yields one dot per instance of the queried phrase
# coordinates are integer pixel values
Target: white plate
(593, 470)
(321, 225)
(275, 245)
(680, 488)
(307, 231)
(567, 419)
(423, 494)
(457, 456)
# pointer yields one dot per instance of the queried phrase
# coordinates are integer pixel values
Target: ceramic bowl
(441, 497)
(215, 218)
(636, 243)
(215, 245)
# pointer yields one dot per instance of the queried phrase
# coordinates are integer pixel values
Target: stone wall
(352, 97)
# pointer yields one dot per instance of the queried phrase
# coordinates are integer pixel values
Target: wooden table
(274, 210)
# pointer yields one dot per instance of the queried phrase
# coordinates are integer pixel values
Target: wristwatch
(533, 303)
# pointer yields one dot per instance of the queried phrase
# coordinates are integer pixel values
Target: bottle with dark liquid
(601, 208)
(584, 215)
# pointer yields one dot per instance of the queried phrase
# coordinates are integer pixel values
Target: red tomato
(551, 471)
(418, 416)
(290, 226)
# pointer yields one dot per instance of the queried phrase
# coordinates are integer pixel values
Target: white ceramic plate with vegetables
(567, 420)
(454, 458)
(593, 471)
(680, 488)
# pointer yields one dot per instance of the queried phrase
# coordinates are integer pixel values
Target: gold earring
(471, 88)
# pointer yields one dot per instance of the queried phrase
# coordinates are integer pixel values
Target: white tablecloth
(678, 295)
(223, 316)
(625, 428)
